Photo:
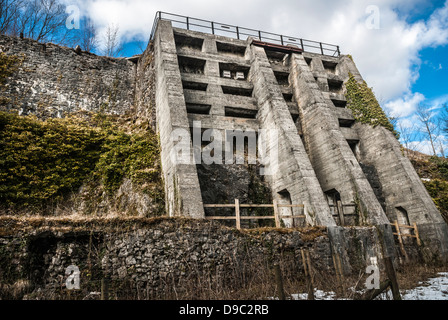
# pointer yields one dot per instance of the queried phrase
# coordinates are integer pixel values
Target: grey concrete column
(295, 173)
(401, 186)
(335, 164)
(183, 196)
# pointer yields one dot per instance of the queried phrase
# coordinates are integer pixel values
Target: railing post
(301, 44)
(339, 52)
(188, 23)
(277, 218)
(321, 48)
(259, 35)
(390, 271)
(281, 40)
(213, 27)
(238, 33)
(237, 214)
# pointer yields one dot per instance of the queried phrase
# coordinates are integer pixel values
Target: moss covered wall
(43, 163)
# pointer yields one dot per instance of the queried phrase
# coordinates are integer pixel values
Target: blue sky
(400, 48)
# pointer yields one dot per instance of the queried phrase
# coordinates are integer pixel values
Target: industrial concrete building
(229, 78)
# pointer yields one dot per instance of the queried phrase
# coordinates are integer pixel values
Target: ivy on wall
(365, 108)
(41, 161)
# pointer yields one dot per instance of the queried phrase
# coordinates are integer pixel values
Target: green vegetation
(42, 161)
(365, 108)
(435, 169)
(8, 65)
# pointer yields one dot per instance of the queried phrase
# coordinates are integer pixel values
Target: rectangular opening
(354, 146)
(240, 113)
(295, 117)
(194, 85)
(287, 97)
(329, 66)
(275, 57)
(335, 86)
(186, 42)
(197, 108)
(191, 65)
(339, 103)
(346, 123)
(230, 49)
(237, 91)
(282, 78)
(234, 71)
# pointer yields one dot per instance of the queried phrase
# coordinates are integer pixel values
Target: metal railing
(227, 30)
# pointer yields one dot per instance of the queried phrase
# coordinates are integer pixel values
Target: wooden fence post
(308, 273)
(390, 271)
(104, 289)
(400, 239)
(277, 218)
(279, 281)
(340, 212)
(237, 214)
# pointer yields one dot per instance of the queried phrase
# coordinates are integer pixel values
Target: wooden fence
(400, 235)
(238, 217)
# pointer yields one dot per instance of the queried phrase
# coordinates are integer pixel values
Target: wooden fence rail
(237, 217)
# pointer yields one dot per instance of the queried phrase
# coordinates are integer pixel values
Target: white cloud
(406, 105)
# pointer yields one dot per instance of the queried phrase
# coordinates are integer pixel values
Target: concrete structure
(345, 172)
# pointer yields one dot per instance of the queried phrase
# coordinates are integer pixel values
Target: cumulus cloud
(406, 105)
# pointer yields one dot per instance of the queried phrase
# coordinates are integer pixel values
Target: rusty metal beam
(276, 47)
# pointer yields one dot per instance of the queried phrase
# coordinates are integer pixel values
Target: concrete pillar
(295, 173)
(335, 164)
(183, 196)
(400, 183)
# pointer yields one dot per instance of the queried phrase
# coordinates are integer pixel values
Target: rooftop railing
(227, 30)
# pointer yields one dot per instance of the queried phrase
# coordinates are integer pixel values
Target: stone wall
(52, 80)
(160, 258)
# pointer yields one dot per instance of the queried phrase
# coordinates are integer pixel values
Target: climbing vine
(365, 108)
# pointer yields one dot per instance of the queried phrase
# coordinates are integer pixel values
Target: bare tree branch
(112, 44)
(88, 36)
(430, 126)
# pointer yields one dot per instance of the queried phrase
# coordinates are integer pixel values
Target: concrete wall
(294, 173)
(333, 161)
(182, 189)
(406, 198)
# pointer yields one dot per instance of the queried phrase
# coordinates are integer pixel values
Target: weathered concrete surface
(335, 164)
(294, 172)
(182, 189)
(406, 198)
